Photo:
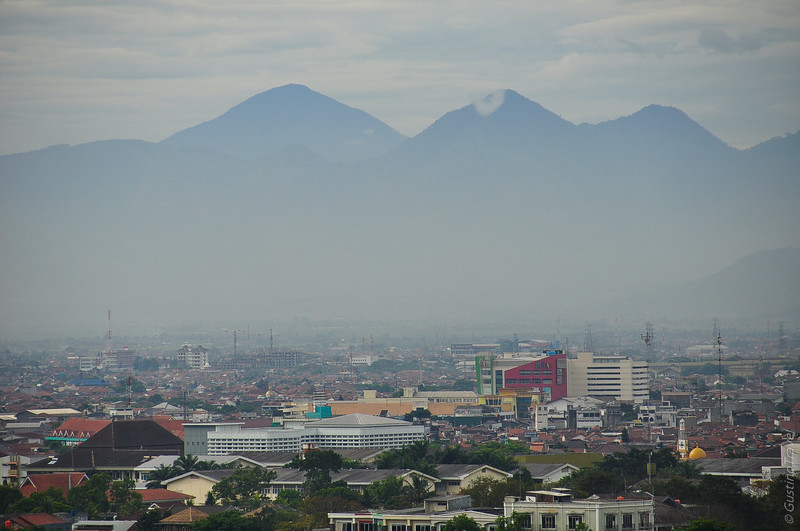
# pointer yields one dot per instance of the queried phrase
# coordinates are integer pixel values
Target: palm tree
(160, 474)
(186, 463)
(417, 490)
(208, 464)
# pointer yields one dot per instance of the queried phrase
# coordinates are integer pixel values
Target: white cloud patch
(490, 103)
(718, 40)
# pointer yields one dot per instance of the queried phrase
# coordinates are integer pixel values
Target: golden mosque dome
(697, 453)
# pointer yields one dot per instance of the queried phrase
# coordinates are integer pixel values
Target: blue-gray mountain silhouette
(497, 210)
(292, 114)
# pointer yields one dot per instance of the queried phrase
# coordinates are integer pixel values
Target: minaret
(683, 443)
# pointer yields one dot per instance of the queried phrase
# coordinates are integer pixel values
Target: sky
(79, 71)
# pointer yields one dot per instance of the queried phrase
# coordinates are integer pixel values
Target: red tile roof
(161, 495)
(42, 482)
(187, 516)
(174, 426)
(79, 428)
(33, 519)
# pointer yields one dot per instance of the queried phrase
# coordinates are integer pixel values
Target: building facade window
(573, 520)
(611, 521)
(627, 521)
(548, 521)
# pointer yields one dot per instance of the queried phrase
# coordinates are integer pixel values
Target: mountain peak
(292, 114)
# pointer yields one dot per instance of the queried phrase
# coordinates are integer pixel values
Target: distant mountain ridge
(764, 285)
(499, 208)
(291, 114)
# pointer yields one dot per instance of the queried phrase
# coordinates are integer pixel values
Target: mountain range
(292, 204)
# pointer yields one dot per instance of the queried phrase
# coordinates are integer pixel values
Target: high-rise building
(121, 360)
(608, 377)
(545, 373)
(195, 357)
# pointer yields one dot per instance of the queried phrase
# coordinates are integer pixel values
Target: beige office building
(608, 377)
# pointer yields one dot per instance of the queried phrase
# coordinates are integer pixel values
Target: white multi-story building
(195, 357)
(558, 511)
(348, 431)
(538, 511)
(570, 412)
(661, 415)
(608, 377)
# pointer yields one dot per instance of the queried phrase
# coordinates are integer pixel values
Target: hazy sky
(82, 70)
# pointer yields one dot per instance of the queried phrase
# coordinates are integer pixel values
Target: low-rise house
(141, 473)
(36, 520)
(549, 472)
(163, 499)
(182, 521)
(199, 483)
(455, 478)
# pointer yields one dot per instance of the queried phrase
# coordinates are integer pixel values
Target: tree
(317, 466)
(416, 455)
(123, 500)
(226, 521)
(462, 522)
(705, 524)
(417, 490)
(91, 497)
(50, 501)
(419, 413)
(186, 463)
(148, 520)
(318, 507)
(8, 496)
(141, 364)
(484, 491)
(388, 493)
(515, 522)
(245, 488)
(291, 498)
(593, 480)
(161, 474)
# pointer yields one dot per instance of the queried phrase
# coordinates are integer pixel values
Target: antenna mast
(108, 338)
(588, 342)
(647, 337)
(719, 368)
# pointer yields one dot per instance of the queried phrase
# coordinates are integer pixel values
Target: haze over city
(400, 265)
(326, 162)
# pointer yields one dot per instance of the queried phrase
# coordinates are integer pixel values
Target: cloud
(490, 103)
(719, 41)
(85, 66)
